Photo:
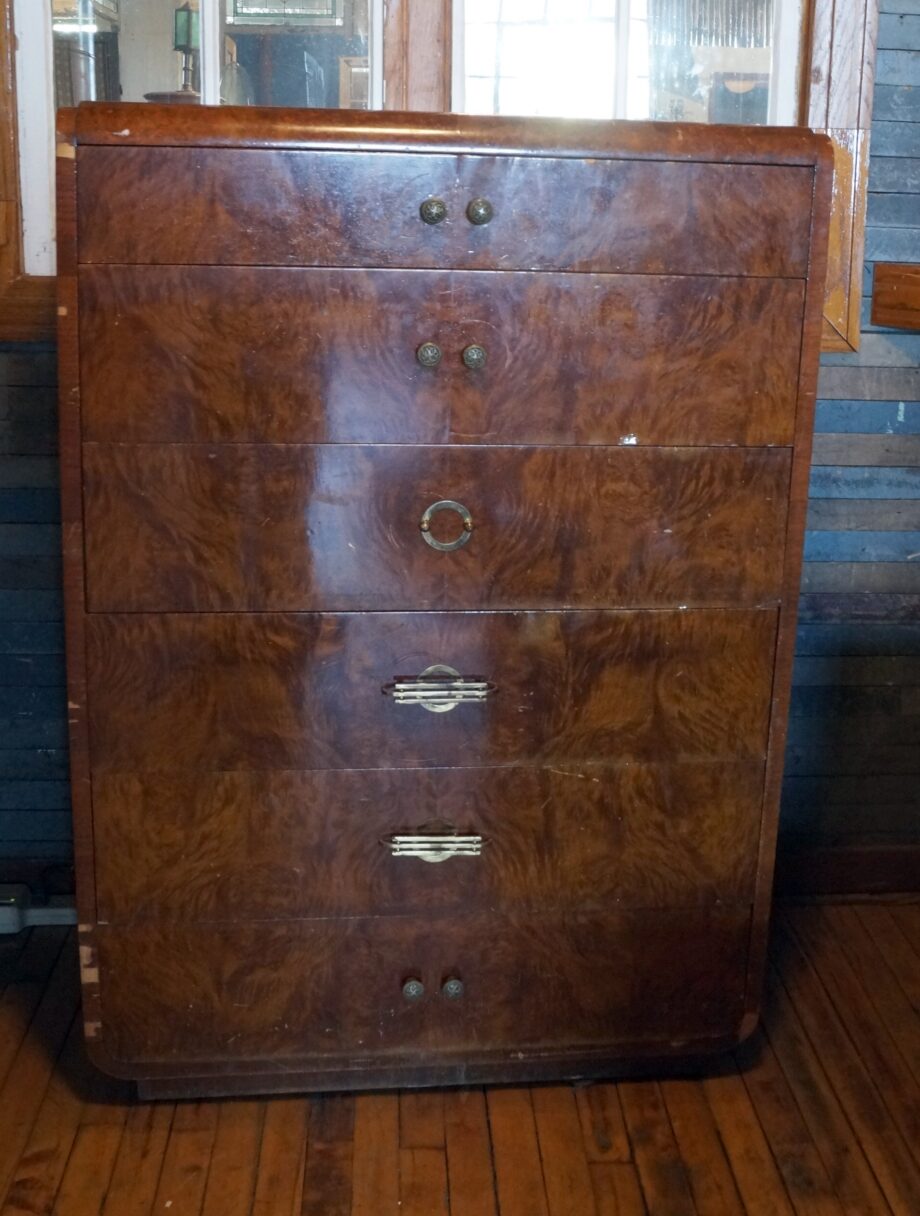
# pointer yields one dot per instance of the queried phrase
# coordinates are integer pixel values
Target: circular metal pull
(413, 990)
(429, 354)
(446, 504)
(474, 357)
(479, 211)
(452, 988)
(433, 210)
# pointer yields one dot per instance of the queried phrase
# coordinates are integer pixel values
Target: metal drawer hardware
(429, 354)
(434, 848)
(438, 689)
(452, 988)
(474, 357)
(446, 504)
(479, 211)
(413, 990)
(433, 210)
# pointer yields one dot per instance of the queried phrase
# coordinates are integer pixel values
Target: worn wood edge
(852, 870)
(792, 573)
(896, 295)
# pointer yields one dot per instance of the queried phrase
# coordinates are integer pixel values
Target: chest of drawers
(433, 507)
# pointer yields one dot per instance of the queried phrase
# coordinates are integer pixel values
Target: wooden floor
(818, 1116)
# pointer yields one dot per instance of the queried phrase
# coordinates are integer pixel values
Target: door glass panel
(725, 61)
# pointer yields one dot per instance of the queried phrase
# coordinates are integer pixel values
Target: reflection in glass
(693, 60)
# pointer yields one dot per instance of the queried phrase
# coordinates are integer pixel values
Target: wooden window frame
(837, 98)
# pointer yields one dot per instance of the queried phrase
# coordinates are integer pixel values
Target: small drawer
(304, 208)
(482, 985)
(237, 527)
(265, 846)
(422, 689)
(241, 354)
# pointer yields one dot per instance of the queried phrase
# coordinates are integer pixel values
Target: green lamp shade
(187, 29)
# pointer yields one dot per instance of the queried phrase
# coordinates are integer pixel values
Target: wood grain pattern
(896, 295)
(274, 691)
(220, 846)
(287, 355)
(259, 207)
(336, 528)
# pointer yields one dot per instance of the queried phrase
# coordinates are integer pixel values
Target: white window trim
(34, 63)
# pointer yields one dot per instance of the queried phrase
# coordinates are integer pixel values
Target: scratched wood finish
(249, 206)
(336, 528)
(286, 355)
(230, 691)
(285, 991)
(227, 846)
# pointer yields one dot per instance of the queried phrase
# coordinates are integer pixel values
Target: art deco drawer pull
(434, 848)
(446, 504)
(474, 357)
(438, 689)
(479, 211)
(433, 210)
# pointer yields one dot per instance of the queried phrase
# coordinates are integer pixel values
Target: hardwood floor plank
(234, 1159)
(327, 1184)
(187, 1159)
(470, 1171)
(907, 918)
(891, 934)
(890, 1073)
(807, 1182)
(376, 1156)
(566, 1177)
(662, 1174)
(11, 952)
(708, 1170)
(854, 1182)
(880, 1140)
(616, 1189)
(602, 1123)
(25, 989)
(423, 1182)
(139, 1163)
(280, 1172)
(29, 1075)
(421, 1118)
(91, 1163)
(518, 1172)
(755, 1171)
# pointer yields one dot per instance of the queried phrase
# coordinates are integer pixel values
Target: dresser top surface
(146, 125)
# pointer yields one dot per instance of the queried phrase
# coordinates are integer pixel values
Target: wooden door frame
(417, 36)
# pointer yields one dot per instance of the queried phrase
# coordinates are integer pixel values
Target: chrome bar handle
(434, 848)
(438, 689)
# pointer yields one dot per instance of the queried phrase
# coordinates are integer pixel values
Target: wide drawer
(252, 206)
(336, 528)
(248, 354)
(266, 691)
(238, 846)
(238, 992)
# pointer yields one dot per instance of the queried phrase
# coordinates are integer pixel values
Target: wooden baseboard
(853, 869)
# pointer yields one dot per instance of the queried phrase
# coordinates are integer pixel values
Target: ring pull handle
(438, 689)
(446, 504)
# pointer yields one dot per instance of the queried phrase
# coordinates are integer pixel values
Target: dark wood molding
(848, 869)
(896, 295)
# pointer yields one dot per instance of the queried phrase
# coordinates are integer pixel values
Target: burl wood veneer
(430, 586)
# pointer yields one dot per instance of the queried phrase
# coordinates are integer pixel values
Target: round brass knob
(413, 990)
(429, 354)
(452, 988)
(479, 211)
(433, 210)
(474, 357)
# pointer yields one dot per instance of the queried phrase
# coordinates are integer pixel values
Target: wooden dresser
(433, 505)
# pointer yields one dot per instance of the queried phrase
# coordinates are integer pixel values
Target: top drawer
(290, 208)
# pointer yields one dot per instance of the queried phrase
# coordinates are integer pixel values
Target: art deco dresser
(433, 505)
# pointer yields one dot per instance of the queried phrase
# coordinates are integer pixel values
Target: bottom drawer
(235, 993)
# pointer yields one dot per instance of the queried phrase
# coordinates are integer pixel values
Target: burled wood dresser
(433, 510)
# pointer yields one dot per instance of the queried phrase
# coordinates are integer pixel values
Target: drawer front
(327, 988)
(251, 206)
(229, 691)
(283, 845)
(187, 528)
(247, 354)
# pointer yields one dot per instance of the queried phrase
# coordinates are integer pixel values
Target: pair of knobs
(414, 990)
(429, 354)
(479, 211)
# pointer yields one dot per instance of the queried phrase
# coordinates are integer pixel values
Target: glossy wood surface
(317, 988)
(252, 207)
(896, 295)
(230, 691)
(229, 846)
(283, 355)
(336, 528)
